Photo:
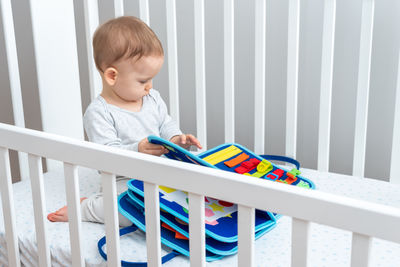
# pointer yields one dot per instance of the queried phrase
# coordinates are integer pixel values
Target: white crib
(61, 37)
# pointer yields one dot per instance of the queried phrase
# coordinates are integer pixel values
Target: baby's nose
(148, 85)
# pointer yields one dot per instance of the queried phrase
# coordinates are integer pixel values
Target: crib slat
(200, 72)
(61, 107)
(108, 183)
(118, 8)
(229, 71)
(7, 201)
(360, 248)
(91, 14)
(246, 226)
(292, 77)
(152, 214)
(259, 80)
(172, 60)
(74, 213)
(197, 230)
(300, 234)
(394, 166)
(12, 61)
(364, 66)
(14, 78)
(39, 208)
(144, 11)
(325, 103)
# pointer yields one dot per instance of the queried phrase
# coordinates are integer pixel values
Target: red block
(241, 170)
(255, 161)
(279, 172)
(247, 164)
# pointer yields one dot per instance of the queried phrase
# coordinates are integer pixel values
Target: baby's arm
(99, 127)
(146, 147)
(168, 127)
(186, 140)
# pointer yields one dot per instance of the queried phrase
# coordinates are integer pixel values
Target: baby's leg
(92, 210)
(60, 215)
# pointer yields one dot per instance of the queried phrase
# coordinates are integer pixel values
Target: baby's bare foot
(60, 215)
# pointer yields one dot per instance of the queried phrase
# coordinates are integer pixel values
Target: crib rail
(304, 206)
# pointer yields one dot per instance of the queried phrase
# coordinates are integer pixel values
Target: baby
(128, 56)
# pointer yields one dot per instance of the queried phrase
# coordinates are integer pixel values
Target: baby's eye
(143, 82)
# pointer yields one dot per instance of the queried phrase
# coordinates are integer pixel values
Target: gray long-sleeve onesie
(110, 125)
(113, 126)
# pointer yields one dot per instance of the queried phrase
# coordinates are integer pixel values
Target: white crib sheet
(328, 246)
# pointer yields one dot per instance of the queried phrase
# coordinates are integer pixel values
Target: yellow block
(222, 155)
(263, 168)
(167, 189)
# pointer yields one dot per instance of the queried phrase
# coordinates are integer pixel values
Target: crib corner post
(8, 208)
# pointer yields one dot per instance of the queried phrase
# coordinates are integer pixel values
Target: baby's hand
(146, 147)
(185, 141)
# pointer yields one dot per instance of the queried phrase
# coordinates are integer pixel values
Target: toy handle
(282, 158)
(125, 231)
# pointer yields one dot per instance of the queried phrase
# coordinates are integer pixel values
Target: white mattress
(328, 246)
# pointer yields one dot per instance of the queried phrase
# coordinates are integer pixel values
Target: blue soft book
(220, 216)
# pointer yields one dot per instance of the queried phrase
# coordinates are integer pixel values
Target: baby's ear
(110, 76)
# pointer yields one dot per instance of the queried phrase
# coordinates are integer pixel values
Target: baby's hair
(124, 38)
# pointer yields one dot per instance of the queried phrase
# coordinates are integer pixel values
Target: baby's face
(135, 77)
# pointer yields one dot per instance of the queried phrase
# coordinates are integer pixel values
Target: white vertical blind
(200, 72)
(292, 77)
(108, 182)
(118, 8)
(360, 248)
(39, 208)
(246, 234)
(364, 66)
(300, 235)
(152, 218)
(13, 73)
(395, 159)
(74, 213)
(172, 53)
(229, 71)
(328, 40)
(7, 201)
(144, 11)
(197, 239)
(259, 80)
(91, 16)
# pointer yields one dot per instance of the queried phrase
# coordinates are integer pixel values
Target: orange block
(180, 236)
(291, 179)
(177, 234)
(235, 161)
(168, 227)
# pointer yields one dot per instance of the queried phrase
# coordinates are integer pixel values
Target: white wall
(385, 46)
